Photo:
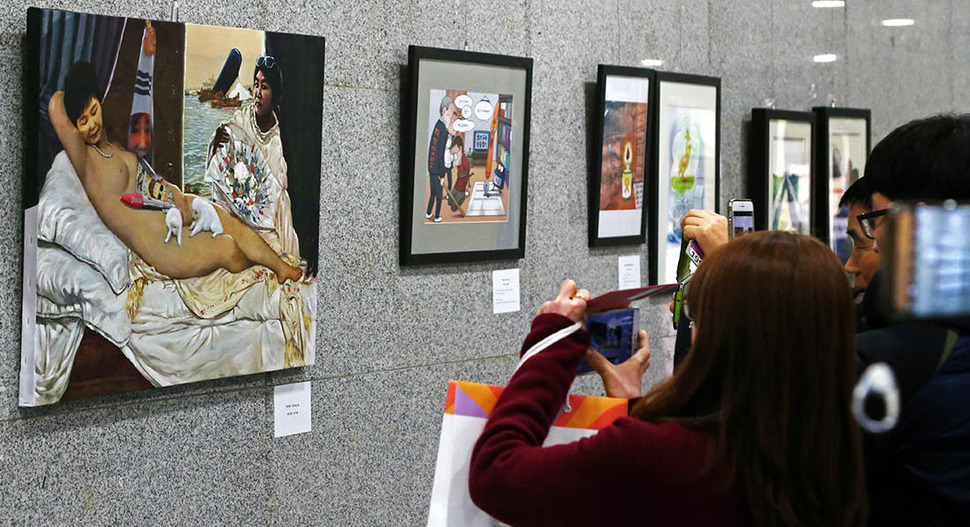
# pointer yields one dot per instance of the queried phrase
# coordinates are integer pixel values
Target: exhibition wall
(389, 338)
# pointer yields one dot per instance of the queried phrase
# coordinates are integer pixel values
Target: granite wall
(390, 338)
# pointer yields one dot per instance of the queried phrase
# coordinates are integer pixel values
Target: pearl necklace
(106, 156)
(262, 136)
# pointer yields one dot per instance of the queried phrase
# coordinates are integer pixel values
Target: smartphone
(679, 298)
(926, 262)
(740, 217)
(613, 334)
(691, 256)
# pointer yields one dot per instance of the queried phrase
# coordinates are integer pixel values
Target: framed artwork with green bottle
(686, 152)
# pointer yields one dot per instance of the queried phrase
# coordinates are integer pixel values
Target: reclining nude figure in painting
(122, 296)
(107, 171)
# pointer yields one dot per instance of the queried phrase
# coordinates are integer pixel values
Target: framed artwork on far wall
(780, 177)
(686, 162)
(465, 148)
(620, 156)
(842, 142)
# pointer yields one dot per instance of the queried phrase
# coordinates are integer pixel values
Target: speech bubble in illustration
(483, 110)
(464, 100)
(463, 125)
(464, 104)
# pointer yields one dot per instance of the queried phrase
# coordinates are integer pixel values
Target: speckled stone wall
(390, 338)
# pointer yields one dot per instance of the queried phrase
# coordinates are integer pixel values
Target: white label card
(505, 291)
(292, 405)
(629, 272)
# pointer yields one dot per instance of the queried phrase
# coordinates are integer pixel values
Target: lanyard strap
(548, 341)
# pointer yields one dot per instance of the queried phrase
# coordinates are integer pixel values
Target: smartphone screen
(936, 279)
(613, 334)
(741, 217)
(743, 222)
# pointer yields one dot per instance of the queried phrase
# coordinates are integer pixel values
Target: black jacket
(436, 149)
(919, 472)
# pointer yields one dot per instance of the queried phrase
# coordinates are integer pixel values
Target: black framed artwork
(780, 169)
(842, 143)
(686, 171)
(465, 148)
(620, 156)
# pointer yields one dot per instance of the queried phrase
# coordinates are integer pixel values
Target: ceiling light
(651, 63)
(828, 3)
(898, 22)
(828, 57)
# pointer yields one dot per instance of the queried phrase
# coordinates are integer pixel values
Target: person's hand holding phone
(626, 379)
(710, 229)
(570, 302)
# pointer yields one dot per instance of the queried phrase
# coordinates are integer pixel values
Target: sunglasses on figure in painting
(266, 61)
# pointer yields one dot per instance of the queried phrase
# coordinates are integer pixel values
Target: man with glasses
(863, 262)
(863, 259)
(919, 472)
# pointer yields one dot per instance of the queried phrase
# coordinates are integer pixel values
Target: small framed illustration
(780, 176)
(842, 142)
(686, 153)
(617, 214)
(465, 148)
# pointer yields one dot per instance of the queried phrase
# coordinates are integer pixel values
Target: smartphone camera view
(929, 262)
(613, 334)
(743, 223)
(740, 217)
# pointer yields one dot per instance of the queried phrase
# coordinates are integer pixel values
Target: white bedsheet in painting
(68, 288)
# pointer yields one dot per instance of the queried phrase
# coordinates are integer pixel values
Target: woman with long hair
(754, 428)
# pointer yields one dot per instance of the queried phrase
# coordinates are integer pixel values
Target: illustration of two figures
(445, 156)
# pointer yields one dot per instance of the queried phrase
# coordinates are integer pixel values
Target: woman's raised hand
(707, 227)
(571, 302)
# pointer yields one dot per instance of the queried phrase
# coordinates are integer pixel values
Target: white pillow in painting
(66, 217)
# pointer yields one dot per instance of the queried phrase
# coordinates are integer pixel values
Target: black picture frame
(465, 238)
(825, 169)
(659, 271)
(644, 130)
(760, 173)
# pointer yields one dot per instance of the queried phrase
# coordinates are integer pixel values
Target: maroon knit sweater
(630, 473)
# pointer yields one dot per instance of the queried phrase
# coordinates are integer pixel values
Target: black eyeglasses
(266, 61)
(868, 222)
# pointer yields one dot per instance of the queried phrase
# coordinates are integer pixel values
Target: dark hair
(80, 85)
(274, 77)
(858, 193)
(770, 376)
(927, 159)
(458, 141)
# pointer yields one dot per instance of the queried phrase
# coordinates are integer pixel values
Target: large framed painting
(842, 142)
(171, 201)
(620, 156)
(780, 178)
(687, 172)
(465, 156)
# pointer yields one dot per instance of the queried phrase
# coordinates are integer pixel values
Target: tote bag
(467, 407)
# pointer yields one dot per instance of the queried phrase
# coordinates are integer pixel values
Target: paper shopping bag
(467, 408)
